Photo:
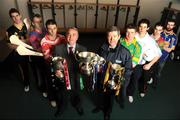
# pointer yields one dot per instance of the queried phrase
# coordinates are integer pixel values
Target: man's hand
(59, 74)
(147, 66)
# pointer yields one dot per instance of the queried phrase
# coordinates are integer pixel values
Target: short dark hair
(74, 28)
(13, 10)
(145, 21)
(36, 15)
(158, 24)
(131, 26)
(51, 22)
(172, 20)
(113, 28)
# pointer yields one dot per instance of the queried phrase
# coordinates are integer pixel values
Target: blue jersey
(170, 40)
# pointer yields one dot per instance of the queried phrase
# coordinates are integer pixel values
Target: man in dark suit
(68, 51)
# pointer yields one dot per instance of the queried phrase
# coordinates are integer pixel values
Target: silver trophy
(85, 62)
(58, 67)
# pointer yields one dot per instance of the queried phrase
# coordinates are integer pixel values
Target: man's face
(130, 34)
(37, 22)
(72, 36)
(158, 30)
(52, 30)
(16, 17)
(113, 38)
(143, 28)
(170, 26)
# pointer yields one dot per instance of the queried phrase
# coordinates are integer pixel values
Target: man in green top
(130, 42)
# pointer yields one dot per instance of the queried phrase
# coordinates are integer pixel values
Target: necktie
(70, 50)
(71, 67)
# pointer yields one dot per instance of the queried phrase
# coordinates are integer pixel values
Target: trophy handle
(76, 56)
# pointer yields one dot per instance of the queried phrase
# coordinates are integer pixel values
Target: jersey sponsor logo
(118, 61)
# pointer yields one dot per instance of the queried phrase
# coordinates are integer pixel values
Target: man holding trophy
(71, 73)
(118, 70)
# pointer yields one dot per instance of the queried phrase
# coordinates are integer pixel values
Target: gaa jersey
(48, 45)
(35, 38)
(22, 34)
(135, 49)
(160, 41)
(169, 38)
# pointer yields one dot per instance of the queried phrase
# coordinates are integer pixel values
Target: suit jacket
(61, 50)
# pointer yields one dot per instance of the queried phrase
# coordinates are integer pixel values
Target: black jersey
(13, 30)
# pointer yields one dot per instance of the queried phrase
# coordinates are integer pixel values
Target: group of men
(142, 55)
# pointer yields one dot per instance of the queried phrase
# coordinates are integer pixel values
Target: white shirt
(150, 49)
(73, 49)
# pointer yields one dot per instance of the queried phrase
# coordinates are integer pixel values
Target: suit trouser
(109, 97)
(108, 101)
(105, 100)
(63, 96)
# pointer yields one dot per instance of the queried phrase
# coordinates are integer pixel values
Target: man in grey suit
(68, 52)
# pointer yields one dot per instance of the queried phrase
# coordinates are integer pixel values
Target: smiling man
(68, 52)
(112, 51)
(135, 49)
(149, 56)
(50, 40)
(20, 29)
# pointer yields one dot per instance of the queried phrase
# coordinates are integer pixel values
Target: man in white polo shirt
(149, 56)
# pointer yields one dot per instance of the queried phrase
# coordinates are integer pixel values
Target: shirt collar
(71, 46)
(74, 46)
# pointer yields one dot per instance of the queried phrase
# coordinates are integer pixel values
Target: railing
(86, 16)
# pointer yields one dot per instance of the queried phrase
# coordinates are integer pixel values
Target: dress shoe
(80, 111)
(96, 110)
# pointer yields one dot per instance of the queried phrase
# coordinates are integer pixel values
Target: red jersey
(48, 45)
